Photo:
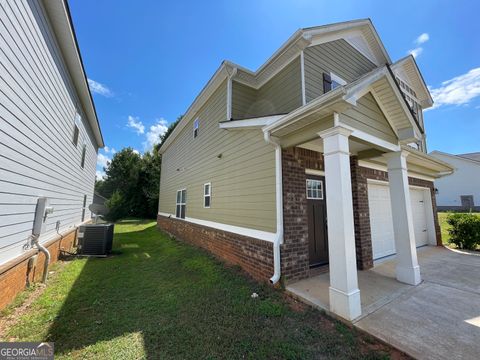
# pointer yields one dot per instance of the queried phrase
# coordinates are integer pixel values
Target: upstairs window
(332, 81)
(84, 153)
(411, 97)
(181, 203)
(195, 128)
(207, 195)
(76, 129)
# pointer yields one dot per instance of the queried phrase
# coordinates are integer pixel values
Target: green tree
(131, 183)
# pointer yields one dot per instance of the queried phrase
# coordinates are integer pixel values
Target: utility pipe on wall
(279, 205)
(44, 250)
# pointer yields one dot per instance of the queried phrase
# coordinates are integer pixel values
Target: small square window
(314, 189)
(195, 128)
(207, 195)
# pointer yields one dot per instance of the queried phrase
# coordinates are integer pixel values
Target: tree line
(132, 181)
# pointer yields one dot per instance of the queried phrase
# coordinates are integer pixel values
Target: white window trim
(209, 195)
(337, 79)
(321, 188)
(196, 126)
(179, 203)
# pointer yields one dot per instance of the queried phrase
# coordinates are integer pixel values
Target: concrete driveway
(438, 319)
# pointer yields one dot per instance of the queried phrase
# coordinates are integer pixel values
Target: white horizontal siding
(37, 109)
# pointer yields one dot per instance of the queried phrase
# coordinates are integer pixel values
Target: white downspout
(279, 202)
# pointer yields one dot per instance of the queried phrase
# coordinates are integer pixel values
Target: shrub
(116, 207)
(464, 231)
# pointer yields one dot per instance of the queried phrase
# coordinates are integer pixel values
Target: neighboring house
(262, 157)
(49, 136)
(461, 190)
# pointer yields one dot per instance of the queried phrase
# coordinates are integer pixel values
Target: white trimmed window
(337, 81)
(181, 203)
(207, 195)
(196, 124)
(314, 189)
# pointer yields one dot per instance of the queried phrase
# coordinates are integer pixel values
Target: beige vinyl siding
(37, 109)
(368, 117)
(336, 56)
(281, 94)
(239, 165)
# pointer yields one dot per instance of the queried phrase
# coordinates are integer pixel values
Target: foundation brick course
(15, 276)
(252, 255)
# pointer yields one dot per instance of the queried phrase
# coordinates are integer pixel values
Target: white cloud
(457, 91)
(422, 39)
(136, 124)
(153, 135)
(415, 52)
(100, 175)
(98, 88)
(135, 151)
(109, 150)
(102, 161)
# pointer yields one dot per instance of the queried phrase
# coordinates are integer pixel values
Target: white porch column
(344, 293)
(407, 268)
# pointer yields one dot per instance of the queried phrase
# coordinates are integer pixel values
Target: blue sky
(149, 59)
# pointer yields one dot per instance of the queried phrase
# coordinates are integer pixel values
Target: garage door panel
(381, 222)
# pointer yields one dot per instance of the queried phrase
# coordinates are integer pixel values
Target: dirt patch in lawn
(11, 315)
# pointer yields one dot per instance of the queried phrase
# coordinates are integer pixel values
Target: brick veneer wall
(15, 275)
(294, 251)
(368, 173)
(361, 216)
(252, 255)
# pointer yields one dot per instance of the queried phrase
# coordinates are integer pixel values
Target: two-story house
(316, 158)
(49, 138)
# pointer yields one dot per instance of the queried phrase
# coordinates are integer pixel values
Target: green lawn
(159, 298)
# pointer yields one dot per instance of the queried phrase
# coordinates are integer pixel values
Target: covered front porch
(378, 286)
(368, 121)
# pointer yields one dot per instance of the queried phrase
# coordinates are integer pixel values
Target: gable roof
(408, 66)
(361, 34)
(60, 18)
(472, 156)
(469, 157)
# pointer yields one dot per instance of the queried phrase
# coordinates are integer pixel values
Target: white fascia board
(371, 139)
(215, 81)
(253, 233)
(58, 14)
(249, 123)
(411, 59)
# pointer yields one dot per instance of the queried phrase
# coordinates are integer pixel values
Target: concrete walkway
(438, 319)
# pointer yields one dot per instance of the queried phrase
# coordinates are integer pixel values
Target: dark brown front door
(317, 220)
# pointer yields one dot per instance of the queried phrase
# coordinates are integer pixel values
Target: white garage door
(381, 223)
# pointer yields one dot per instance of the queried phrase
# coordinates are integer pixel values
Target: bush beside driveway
(159, 298)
